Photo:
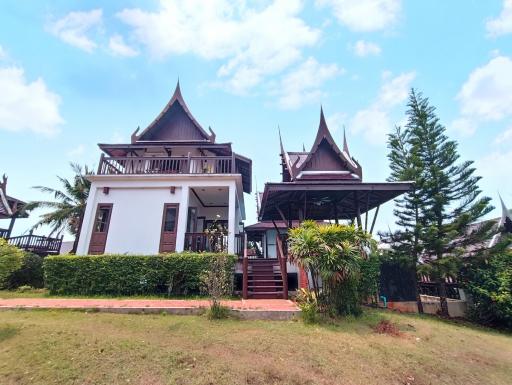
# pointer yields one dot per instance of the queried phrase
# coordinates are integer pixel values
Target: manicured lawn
(64, 347)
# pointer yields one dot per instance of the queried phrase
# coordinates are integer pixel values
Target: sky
(77, 73)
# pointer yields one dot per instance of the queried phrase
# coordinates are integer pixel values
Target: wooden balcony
(37, 244)
(133, 165)
(201, 242)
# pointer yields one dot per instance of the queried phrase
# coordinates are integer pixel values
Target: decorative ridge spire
(323, 123)
(345, 145)
(280, 140)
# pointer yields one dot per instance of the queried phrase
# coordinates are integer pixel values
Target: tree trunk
(442, 298)
(77, 236)
(418, 300)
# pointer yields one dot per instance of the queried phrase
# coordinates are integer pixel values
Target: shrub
(489, 283)
(11, 260)
(178, 273)
(308, 304)
(29, 274)
(217, 311)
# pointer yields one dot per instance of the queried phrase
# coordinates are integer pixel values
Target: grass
(64, 347)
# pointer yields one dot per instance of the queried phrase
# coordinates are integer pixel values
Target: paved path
(249, 308)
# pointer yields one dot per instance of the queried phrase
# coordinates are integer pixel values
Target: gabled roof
(9, 206)
(329, 159)
(175, 123)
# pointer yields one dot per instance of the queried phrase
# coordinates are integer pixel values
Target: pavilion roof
(324, 160)
(325, 200)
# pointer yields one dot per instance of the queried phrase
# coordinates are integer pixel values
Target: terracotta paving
(78, 303)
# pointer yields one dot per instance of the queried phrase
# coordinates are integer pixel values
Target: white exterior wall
(138, 202)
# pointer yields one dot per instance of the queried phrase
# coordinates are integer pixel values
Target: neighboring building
(323, 184)
(12, 209)
(166, 190)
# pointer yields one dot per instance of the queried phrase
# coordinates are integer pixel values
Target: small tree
(217, 283)
(332, 254)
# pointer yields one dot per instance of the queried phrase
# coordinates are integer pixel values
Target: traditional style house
(323, 184)
(12, 209)
(173, 188)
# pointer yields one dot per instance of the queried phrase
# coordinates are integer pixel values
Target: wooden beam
(358, 210)
(366, 212)
(374, 219)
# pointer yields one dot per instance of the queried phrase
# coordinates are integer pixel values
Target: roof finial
(280, 140)
(323, 124)
(345, 145)
(303, 148)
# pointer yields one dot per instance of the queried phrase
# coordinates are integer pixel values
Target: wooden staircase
(264, 279)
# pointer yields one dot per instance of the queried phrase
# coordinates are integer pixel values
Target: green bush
(11, 260)
(29, 274)
(176, 274)
(308, 304)
(489, 283)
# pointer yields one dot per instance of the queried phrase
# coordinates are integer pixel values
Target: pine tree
(434, 217)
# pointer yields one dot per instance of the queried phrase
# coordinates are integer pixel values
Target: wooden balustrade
(245, 270)
(4, 233)
(37, 244)
(202, 242)
(128, 165)
(282, 256)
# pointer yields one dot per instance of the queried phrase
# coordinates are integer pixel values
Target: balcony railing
(37, 244)
(4, 233)
(201, 242)
(129, 165)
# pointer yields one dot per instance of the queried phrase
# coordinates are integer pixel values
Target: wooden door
(169, 227)
(100, 228)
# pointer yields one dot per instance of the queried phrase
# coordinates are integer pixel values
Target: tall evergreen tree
(434, 217)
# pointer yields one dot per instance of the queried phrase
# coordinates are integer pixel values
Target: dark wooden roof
(325, 200)
(175, 123)
(324, 161)
(9, 206)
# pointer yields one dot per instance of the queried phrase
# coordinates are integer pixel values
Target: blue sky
(76, 73)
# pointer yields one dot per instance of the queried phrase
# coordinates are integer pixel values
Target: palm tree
(68, 208)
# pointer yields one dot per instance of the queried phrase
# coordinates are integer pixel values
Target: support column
(232, 218)
(182, 219)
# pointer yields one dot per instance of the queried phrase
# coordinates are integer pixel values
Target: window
(170, 219)
(102, 218)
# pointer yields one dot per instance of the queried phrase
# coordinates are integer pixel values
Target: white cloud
(501, 25)
(374, 122)
(302, 85)
(504, 137)
(120, 48)
(487, 94)
(335, 121)
(76, 153)
(365, 15)
(74, 27)
(255, 42)
(463, 126)
(495, 170)
(3, 54)
(366, 48)
(27, 106)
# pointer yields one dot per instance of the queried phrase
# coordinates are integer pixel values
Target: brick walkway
(250, 308)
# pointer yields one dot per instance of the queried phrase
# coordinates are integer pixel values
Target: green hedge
(178, 274)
